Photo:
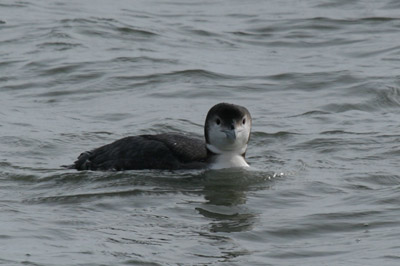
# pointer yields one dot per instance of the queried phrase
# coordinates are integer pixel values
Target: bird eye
(218, 121)
(244, 121)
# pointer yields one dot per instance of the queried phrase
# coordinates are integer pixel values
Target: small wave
(380, 99)
(144, 59)
(279, 134)
(316, 80)
(324, 145)
(16, 4)
(319, 223)
(65, 69)
(196, 73)
(91, 20)
(202, 32)
(107, 28)
(130, 30)
(373, 179)
(74, 198)
(59, 46)
(187, 73)
(312, 113)
(343, 132)
(378, 52)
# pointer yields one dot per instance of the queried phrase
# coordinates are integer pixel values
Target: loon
(226, 131)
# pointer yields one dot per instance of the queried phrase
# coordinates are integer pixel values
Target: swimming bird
(226, 131)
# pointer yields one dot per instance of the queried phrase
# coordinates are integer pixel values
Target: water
(321, 79)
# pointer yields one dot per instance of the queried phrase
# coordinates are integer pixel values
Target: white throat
(227, 159)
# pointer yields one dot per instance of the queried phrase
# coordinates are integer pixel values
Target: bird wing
(163, 151)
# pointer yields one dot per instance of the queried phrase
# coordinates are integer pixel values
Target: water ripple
(319, 77)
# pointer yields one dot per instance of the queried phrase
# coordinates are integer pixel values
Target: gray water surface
(320, 78)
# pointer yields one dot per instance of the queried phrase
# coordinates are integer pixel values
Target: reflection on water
(225, 193)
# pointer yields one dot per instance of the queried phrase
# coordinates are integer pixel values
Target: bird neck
(226, 159)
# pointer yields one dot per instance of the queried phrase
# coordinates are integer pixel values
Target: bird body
(227, 130)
